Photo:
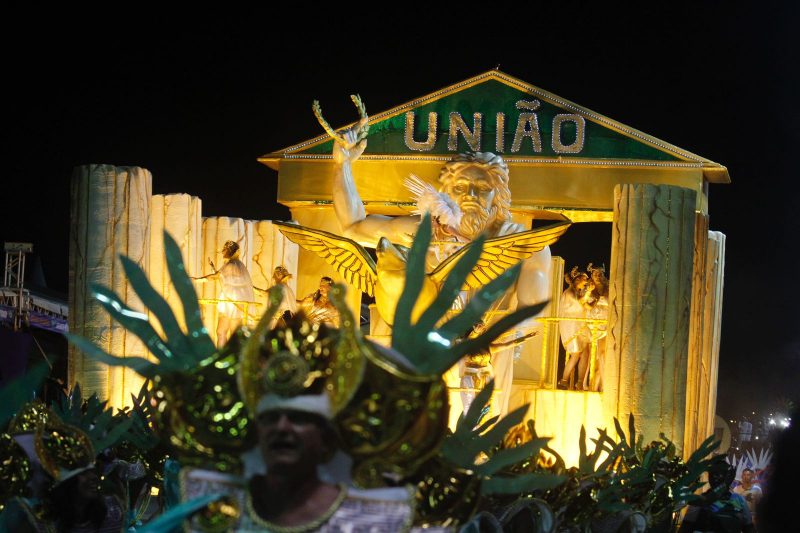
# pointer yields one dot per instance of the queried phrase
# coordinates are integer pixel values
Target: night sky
(196, 101)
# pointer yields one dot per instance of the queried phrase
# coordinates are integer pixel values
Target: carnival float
(436, 216)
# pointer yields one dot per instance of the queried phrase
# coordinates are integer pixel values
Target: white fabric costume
(236, 286)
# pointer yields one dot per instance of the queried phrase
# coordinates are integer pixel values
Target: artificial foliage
(491, 472)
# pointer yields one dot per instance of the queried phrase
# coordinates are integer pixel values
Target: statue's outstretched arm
(356, 224)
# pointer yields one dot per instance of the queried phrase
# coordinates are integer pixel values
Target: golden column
(180, 216)
(701, 387)
(652, 254)
(110, 210)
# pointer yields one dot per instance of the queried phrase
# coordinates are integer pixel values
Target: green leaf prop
(173, 518)
(93, 417)
(432, 351)
(463, 447)
(521, 484)
(176, 351)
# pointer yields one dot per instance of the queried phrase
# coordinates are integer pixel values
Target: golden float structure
(666, 271)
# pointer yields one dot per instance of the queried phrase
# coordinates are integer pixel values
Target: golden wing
(349, 258)
(501, 253)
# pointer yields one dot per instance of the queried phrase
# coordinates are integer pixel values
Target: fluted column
(712, 318)
(180, 216)
(650, 293)
(697, 331)
(109, 216)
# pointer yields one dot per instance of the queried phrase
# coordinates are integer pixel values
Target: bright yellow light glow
(558, 414)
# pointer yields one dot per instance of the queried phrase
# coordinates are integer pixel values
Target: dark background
(197, 97)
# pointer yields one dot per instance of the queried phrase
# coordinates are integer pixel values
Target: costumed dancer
(76, 501)
(283, 385)
(288, 306)
(574, 336)
(597, 309)
(237, 288)
(586, 297)
(318, 306)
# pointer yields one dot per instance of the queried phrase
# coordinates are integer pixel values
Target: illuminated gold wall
(113, 212)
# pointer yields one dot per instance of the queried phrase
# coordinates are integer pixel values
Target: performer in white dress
(237, 291)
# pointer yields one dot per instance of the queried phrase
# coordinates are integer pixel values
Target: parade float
(564, 163)
(449, 390)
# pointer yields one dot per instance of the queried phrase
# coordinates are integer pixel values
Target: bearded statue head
(478, 183)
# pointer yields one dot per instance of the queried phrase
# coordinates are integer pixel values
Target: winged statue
(384, 279)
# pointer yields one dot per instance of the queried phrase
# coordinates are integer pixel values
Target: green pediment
(494, 112)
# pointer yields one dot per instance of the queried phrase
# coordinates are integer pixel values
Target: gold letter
(433, 120)
(580, 129)
(473, 138)
(500, 141)
(527, 126)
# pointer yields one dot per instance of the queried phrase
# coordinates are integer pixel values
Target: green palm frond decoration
(174, 518)
(93, 417)
(141, 434)
(433, 350)
(472, 438)
(176, 351)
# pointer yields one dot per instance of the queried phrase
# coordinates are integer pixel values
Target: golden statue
(318, 307)
(473, 199)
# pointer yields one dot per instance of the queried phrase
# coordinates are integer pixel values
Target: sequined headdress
(64, 450)
(294, 366)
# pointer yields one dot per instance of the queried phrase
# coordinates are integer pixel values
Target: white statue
(476, 183)
(474, 196)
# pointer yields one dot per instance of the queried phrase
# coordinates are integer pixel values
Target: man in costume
(295, 438)
(283, 383)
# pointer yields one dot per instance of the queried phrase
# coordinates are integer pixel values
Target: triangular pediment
(495, 112)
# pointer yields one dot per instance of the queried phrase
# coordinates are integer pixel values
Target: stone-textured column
(270, 249)
(180, 216)
(650, 293)
(697, 331)
(217, 230)
(109, 216)
(712, 317)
